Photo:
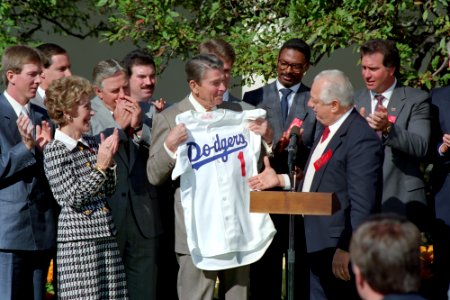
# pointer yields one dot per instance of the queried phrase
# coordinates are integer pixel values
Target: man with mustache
(141, 71)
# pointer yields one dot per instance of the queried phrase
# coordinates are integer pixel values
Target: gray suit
(134, 208)
(405, 147)
(159, 169)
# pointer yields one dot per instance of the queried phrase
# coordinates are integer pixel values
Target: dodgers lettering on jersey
(221, 148)
(221, 153)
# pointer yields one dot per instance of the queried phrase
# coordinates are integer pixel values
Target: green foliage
(22, 19)
(256, 28)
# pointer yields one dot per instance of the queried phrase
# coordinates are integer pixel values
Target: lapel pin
(393, 109)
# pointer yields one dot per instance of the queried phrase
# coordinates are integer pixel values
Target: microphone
(294, 138)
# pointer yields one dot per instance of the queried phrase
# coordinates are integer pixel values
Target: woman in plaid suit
(82, 175)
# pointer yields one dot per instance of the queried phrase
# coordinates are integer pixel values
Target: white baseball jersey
(219, 156)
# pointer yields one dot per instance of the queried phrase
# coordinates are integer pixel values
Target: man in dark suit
(385, 258)
(440, 187)
(401, 117)
(141, 70)
(56, 65)
(134, 204)
(347, 161)
(27, 224)
(207, 84)
(293, 62)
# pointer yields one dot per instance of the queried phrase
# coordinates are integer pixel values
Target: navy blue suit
(27, 208)
(354, 174)
(440, 186)
(266, 274)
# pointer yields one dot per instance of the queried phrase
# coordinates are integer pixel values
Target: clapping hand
(106, 150)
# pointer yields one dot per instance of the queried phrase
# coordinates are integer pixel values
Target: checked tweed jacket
(80, 190)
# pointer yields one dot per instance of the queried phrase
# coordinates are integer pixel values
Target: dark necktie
(284, 102)
(379, 99)
(326, 132)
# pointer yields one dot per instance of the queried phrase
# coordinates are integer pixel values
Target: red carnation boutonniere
(392, 119)
(323, 160)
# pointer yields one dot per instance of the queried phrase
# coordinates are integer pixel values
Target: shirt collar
(387, 93)
(69, 142)
(293, 88)
(197, 106)
(41, 92)
(335, 126)
(16, 105)
(226, 96)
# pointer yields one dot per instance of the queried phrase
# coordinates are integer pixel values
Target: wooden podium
(293, 203)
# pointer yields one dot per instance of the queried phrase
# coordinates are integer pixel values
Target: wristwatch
(387, 130)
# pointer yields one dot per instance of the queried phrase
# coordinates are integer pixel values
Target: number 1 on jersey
(242, 160)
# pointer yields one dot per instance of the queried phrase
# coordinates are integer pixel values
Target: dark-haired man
(56, 65)
(284, 100)
(27, 223)
(385, 259)
(401, 117)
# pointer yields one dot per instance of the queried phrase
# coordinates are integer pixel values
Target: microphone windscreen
(295, 130)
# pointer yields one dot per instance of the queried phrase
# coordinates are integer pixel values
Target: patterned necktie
(284, 102)
(24, 112)
(326, 132)
(379, 99)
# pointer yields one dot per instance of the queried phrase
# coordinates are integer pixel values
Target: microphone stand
(291, 250)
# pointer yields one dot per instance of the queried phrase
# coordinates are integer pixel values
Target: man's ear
(98, 92)
(10, 75)
(359, 278)
(194, 87)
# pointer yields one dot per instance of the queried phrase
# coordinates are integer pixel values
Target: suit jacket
(160, 164)
(440, 179)
(133, 188)
(267, 97)
(27, 206)
(405, 296)
(245, 106)
(39, 101)
(405, 147)
(354, 174)
(80, 190)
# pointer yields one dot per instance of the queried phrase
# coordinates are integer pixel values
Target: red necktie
(326, 132)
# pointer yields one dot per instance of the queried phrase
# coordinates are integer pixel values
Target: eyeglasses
(297, 68)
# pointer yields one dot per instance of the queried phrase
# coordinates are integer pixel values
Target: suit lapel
(333, 145)
(397, 102)
(273, 105)
(106, 120)
(9, 119)
(298, 109)
(365, 102)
